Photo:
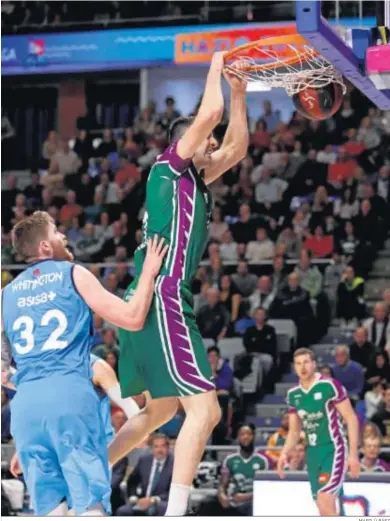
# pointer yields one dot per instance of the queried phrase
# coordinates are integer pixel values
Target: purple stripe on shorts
(185, 210)
(338, 470)
(175, 161)
(178, 338)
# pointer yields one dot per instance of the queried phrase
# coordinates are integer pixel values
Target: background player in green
(318, 404)
(167, 358)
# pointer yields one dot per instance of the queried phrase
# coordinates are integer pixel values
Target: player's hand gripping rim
(155, 254)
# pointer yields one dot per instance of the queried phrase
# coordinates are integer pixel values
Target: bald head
(213, 296)
(361, 336)
(293, 280)
(380, 311)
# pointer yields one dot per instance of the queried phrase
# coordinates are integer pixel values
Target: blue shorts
(59, 436)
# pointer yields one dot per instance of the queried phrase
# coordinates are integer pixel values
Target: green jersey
(178, 207)
(242, 471)
(316, 409)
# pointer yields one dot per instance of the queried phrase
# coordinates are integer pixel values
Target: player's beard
(62, 253)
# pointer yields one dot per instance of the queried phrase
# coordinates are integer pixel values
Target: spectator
(119, 238)
(112, 359)
(310, 276)
(50, 147)
(370, 461)
(148, 484)
(277, 439)
(379, 370)
(123, 277)
(97, 330)
(83, 147)
(218, 227)
(88, 247)
(5, 417)
(169, 114)
(127, 172)
(244, 230)
(382, 418)
(373, 399)
(270, 117)
(319, 244)
(230, 298)
(325, 370)
(228, 247)
(108, 189)
(70, 209)
(33, 192)
(260, 339)
(278, 276)
(215, 270)
(350, 296)
(348, 242)
(362, 351)
(65, 161)
(297, 458)
(213, 318)
(292, 242)
(368, 134)
(347, 207)
(245, 282)
(292, 302)
(109, 345)
(85, 191)
(378, 327)
(269, 192)
(348, 373)
(260, 249)
(107, 145)
(332, 277)
(263, 296)
(103, 229)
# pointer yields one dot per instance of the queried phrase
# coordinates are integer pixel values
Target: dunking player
(167, 358)
(318, 404)
(46, 328)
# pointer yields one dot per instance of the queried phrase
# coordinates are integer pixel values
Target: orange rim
(286, 39)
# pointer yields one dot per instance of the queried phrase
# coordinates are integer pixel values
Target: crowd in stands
(294, 233)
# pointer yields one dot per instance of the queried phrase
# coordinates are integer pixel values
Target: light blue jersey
(56, 419)
(105, 406)
(47, 323)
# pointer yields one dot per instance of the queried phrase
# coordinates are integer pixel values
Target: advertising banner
(360, 497)
(116, 49)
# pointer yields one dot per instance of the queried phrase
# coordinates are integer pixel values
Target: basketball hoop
(285, 61)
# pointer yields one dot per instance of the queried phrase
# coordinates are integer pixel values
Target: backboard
(365, 65)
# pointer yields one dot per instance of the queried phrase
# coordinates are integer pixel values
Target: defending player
(168, 358)
(318, 404)
(46, 328)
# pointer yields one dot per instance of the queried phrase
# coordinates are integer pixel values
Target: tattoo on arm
(6, 353)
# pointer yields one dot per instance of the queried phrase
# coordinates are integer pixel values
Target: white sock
(128, 405)
(94, 510)
(60, 510)
(178, 500)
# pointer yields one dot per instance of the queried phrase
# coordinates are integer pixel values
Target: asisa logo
(8, 54)
(36, 47)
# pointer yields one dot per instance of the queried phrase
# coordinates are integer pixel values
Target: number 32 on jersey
(26, 326)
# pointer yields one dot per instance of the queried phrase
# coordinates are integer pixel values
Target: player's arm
(293, 435)
(6, 353)
(235, 143)
(209, 114)
(128, 315)
(104, 376)
(347, 413)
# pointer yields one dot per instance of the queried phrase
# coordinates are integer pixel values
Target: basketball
(319, 103)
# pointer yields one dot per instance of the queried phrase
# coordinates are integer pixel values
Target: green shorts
(168, 357)
(326, 466)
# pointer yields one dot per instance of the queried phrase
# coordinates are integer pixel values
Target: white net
(303, 69)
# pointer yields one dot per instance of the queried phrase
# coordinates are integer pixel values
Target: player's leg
(202, 415)
(60, 511)
(330, 478)
(134, 431)
(41, 470)
(77, 433)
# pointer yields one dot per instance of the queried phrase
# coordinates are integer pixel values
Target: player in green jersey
(318, 404)
(167, 359)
